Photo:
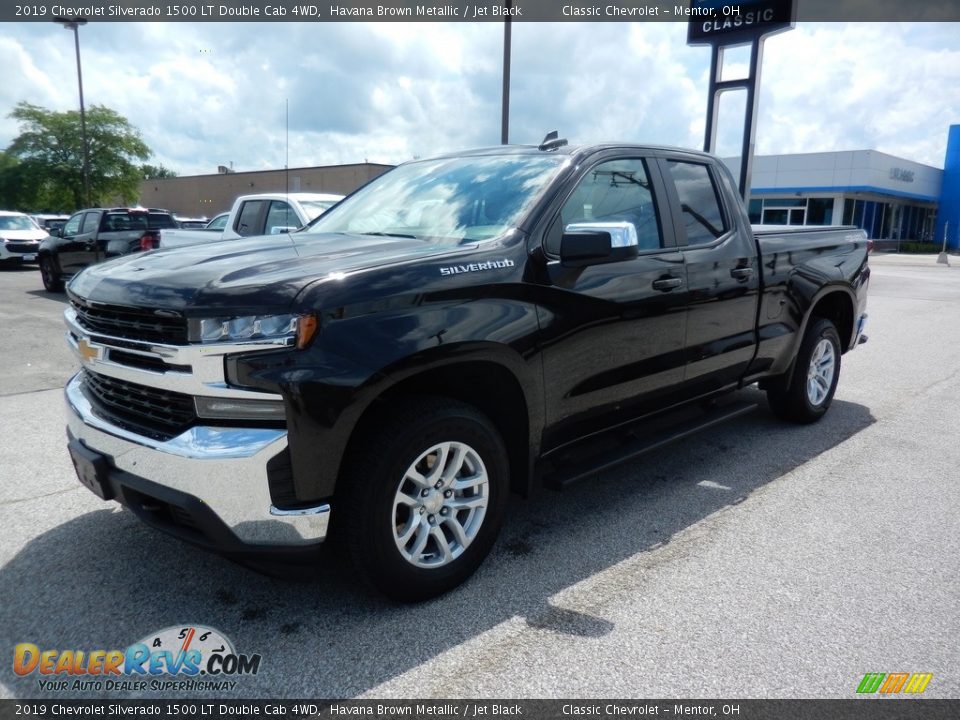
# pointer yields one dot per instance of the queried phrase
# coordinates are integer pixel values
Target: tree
(49, 155)
(149, 172)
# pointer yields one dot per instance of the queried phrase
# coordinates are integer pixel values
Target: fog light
(239, 409)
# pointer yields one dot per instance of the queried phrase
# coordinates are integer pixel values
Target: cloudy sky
(207, 94)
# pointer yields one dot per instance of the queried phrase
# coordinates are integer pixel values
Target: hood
(248, 273)
(22, 234)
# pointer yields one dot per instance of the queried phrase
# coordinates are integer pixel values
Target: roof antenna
(552, 141)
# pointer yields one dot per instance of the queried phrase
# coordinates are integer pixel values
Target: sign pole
(943, 258)
(750, 120)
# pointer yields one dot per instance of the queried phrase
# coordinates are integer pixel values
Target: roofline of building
(256, 172)
(845, 189)
(838, 152)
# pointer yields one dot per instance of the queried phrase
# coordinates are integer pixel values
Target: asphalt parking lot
(755, 560)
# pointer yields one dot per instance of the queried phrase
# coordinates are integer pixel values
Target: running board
(642, 438)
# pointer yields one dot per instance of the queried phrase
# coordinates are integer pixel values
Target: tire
(48, 273)
(404, 535)
(813, 380)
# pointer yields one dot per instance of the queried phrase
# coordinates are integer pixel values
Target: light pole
(505, 102)
(73, 23)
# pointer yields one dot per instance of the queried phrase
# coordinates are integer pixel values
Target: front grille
(22, 247)
(131, 323)
(156, 413)
(145, 362)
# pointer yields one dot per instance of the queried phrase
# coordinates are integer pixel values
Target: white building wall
(852, 168)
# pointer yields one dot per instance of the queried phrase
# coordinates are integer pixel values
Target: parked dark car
(96, 234)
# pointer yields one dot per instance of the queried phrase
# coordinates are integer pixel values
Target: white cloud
(207, 94)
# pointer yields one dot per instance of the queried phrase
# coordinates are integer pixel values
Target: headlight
(298, 329)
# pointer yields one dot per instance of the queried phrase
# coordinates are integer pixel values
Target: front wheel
(48, 273)
(814, 377)
(421, 499)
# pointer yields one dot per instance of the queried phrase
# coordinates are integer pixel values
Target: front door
(77, 247)
(612, 333)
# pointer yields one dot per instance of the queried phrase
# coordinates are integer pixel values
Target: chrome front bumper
(224, 468)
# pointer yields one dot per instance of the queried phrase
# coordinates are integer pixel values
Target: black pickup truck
(96, 234)
(459, 329)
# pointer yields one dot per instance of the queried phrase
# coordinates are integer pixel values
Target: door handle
(744, 273)
(667, 284)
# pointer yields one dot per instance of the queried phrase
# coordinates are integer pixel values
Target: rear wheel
(48, 273)
(421, 499)
(814, 377)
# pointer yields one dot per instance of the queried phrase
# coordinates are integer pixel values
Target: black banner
(854, 709)
(463, 10)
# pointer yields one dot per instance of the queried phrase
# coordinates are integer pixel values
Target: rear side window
(247, 222)
(122, 222)
(155, 221)
(699, 202)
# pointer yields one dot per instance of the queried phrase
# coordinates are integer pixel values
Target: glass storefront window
(820, 211)
(784, 202)
(772, 216)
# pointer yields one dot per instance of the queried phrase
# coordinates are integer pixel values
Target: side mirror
(596, 243)
(57, 231)
(278, 229)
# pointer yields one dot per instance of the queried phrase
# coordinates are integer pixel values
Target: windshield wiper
(390, 234)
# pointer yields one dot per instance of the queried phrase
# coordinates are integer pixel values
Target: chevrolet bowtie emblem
(87, 351)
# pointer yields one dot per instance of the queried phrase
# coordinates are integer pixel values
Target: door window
(699, 202)
(90, 222)
(247, 222)
(72, 226)
(281, 215)
(613, 191)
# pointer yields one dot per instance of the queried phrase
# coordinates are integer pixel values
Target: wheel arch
(490, 386)
(835, 303)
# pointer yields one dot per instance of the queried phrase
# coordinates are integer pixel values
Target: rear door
(612, 333)
(722, 273)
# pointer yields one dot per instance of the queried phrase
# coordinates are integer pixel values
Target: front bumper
(208, 485)
(25, 250)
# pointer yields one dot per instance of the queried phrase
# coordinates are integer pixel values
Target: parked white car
(261, 214)
(20, 237)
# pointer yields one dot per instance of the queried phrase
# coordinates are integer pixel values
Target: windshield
(315, 208)
(16, 222)
(452, 199)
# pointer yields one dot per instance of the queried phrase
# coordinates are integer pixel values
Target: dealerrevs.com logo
(186, 657)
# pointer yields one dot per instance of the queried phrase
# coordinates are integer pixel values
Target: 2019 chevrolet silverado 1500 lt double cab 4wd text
(387, 376)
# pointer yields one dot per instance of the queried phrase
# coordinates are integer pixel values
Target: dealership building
(891, 198)
(207, 195)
